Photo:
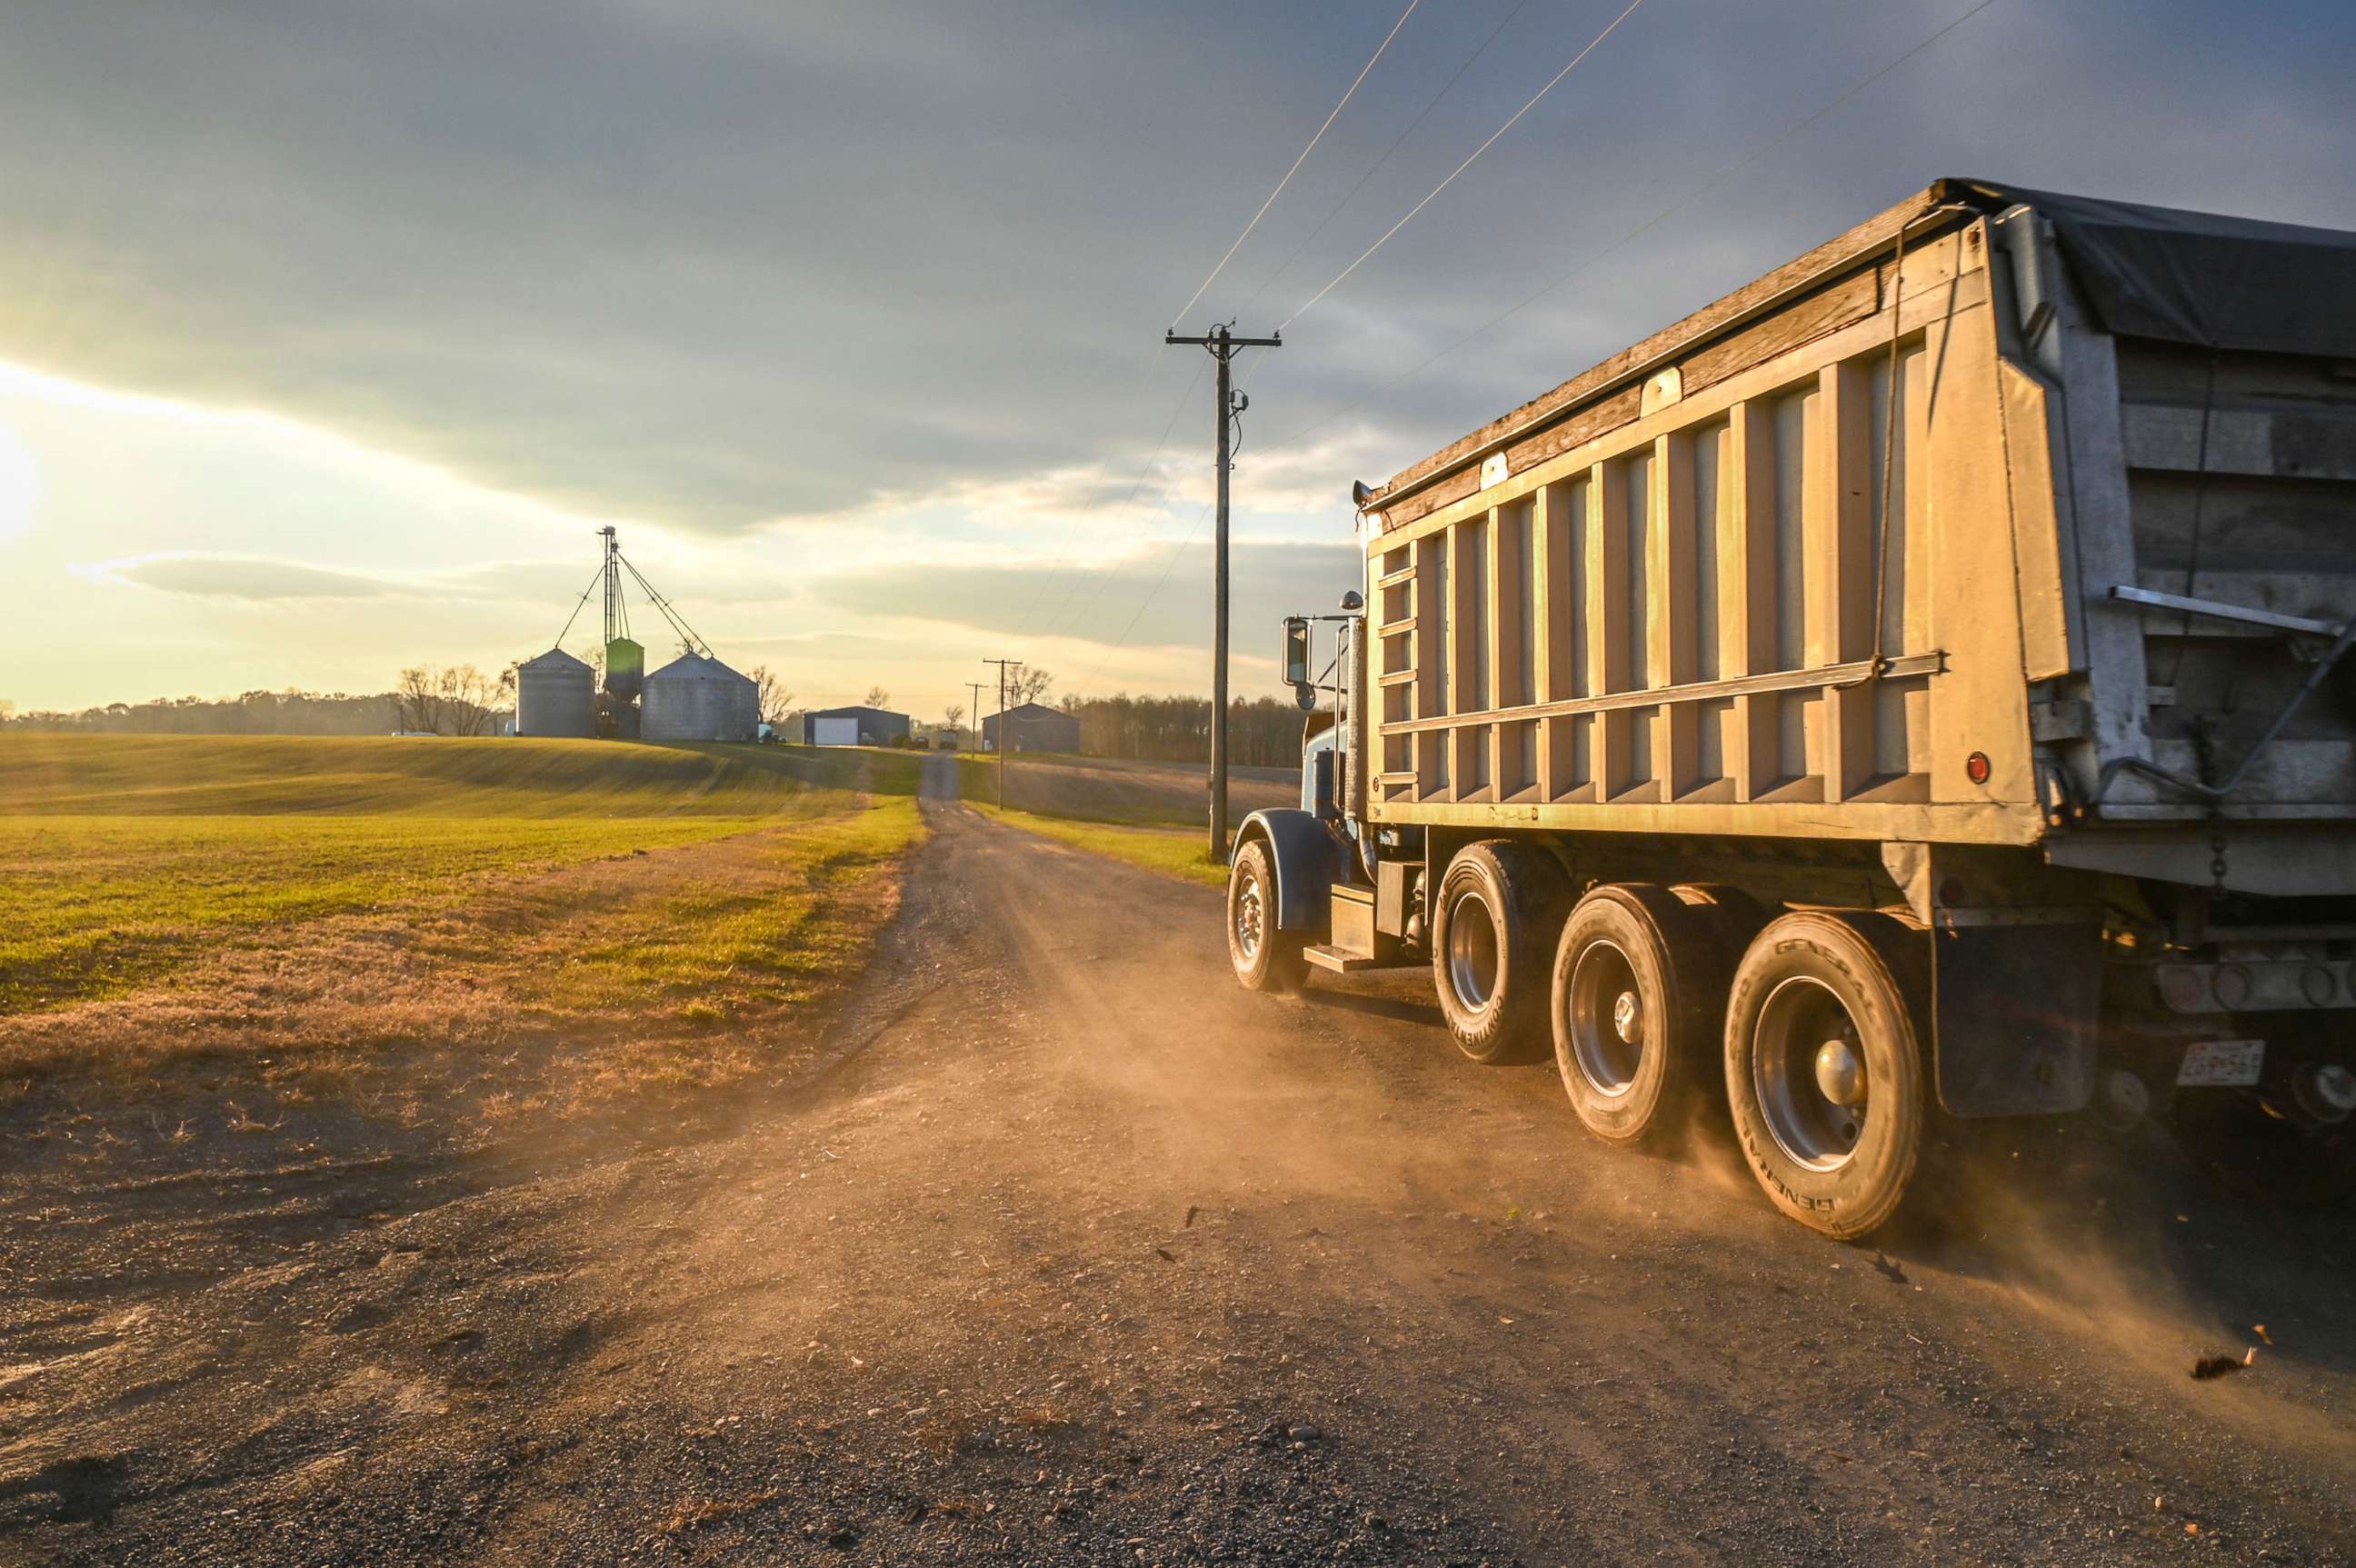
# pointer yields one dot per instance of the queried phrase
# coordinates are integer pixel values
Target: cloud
(713, 263)
(1157, 596)
(238, 578)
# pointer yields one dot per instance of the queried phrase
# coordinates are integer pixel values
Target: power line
(1376, 166)
(1584, 265)
(1167, 567)
(1332, 212)
(1460, 168)
(1656, 220)
(1298, 162)
(1143, 604)
(1637, 233)
(1063, 552)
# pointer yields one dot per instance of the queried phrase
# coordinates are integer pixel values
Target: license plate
(2222, 1064)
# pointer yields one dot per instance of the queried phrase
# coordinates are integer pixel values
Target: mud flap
(2015, 1011)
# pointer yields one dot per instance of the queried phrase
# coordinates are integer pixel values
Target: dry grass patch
(526, 964)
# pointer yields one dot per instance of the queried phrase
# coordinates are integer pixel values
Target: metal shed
(854, 726)
(1034, 726)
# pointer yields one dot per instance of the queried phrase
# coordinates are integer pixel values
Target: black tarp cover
(2198, 277)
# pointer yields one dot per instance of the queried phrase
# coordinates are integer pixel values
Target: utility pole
(1003, 737)
(1222, 344)
(976, 686)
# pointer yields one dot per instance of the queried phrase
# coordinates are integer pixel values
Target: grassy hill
(116, 776)
(126, 858)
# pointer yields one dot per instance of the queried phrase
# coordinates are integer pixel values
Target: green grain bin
(625, 668)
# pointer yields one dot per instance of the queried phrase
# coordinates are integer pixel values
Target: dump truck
(1908, 690)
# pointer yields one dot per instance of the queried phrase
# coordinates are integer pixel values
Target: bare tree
(421, 704)
(456, 699)
(771, 697)
(469, 700)
(953, 716)
(876, 697)
(1028, 685)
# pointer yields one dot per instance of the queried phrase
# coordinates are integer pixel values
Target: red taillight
(1977, 768)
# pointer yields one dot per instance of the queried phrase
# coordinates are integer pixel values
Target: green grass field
(124, 858)
(124, 776)
(1173, 852)
(1148, 814)
(1128, 793)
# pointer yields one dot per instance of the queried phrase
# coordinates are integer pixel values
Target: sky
(330, 332)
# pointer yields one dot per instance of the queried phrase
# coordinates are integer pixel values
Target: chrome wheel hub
(1250, 917)
(1472, 949)
(1605, 1020)
(1808, 1070)
(1840, 1077)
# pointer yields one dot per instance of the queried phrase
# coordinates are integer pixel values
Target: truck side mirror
(1296, 651)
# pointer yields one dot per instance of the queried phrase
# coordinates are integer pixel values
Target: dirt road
(1080, 1254)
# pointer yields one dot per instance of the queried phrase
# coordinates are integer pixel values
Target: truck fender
(1308, 862)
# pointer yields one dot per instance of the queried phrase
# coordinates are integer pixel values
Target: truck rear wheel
(1825, 1067)
(1493, 926)
(1265, 958)
(1639, 996)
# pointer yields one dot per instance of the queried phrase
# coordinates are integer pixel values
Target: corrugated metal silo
(555, 695)
(695, 698)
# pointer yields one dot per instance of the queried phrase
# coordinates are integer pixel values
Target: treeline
(256, 713)
(432, 699)
(1263, 732)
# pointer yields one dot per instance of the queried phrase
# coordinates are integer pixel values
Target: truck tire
(2253, 1153)
(1824, 1065)
(1493, 929)
(1639, 1000)
(1265, 958)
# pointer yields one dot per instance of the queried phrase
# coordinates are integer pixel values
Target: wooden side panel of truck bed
(1671, 623)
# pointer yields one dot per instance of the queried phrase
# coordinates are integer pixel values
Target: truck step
(1340, 962)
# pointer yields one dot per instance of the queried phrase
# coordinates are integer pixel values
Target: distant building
(1034, 727)
(854, 726)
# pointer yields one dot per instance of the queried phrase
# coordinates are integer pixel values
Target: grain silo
(555, 695)
(698, 698)
(625, 668)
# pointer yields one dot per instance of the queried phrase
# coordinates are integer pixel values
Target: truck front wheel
(1493, 926)
(1639, 992)
(1265, 958)
(1825, 1067)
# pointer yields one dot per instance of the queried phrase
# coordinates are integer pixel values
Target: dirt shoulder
(1077, 1253)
